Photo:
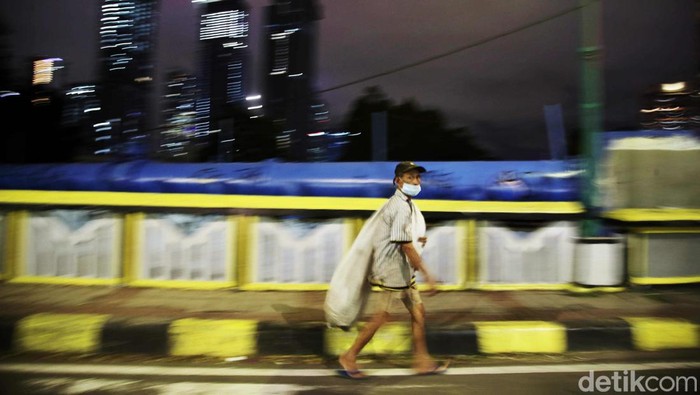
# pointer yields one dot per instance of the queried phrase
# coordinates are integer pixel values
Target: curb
(105, 334)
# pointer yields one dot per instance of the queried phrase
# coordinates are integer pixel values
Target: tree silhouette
(255, 138)
(413, 132)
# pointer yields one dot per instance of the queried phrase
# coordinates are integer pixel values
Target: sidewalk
(107, 319)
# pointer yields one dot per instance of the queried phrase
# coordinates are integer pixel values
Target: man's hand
(422, 241)
(432, 285)
(415, 260)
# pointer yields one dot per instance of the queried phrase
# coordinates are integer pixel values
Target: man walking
(398, 243)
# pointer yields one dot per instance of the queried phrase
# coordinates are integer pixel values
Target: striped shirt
(400, 221)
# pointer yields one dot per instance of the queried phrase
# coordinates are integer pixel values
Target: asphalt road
(573, 373)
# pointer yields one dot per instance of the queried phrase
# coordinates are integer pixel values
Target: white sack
(349, 288)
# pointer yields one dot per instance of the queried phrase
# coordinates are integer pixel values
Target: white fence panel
(187, 247)
(445, 253)
(543, 255)
(307, 252)
(297, 251)
(73, 243)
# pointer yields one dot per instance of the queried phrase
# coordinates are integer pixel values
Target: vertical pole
(591, 107)
(244, 243)
(131, 262)
(555, 131)
(16, 226)
(379, 136)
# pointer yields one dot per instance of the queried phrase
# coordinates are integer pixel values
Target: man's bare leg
(348, 360)
(422, 361)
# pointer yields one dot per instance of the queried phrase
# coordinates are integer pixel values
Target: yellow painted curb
(520, 337)
(220, 338)
(652, 334)
(47, 332)
(392, 338)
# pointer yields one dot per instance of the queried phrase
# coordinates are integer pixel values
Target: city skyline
(501, 91)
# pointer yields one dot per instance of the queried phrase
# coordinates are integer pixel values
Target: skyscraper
(45, 143)
(289, 60)
(223, 74)
(127, 50)
(179, 103)
(81, 121)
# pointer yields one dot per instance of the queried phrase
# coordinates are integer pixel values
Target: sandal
(351, 374)
(437, 369)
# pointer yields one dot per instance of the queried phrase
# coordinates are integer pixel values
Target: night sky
(497, 89)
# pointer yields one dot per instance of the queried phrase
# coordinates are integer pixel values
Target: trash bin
(599, 261)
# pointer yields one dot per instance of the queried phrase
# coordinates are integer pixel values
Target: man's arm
(417, 262)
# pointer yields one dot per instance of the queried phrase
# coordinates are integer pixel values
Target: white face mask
(410, 189)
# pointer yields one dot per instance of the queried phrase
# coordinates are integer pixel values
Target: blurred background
(242, 144)
(299, 80)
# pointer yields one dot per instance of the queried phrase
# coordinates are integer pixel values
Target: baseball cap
(403, 167)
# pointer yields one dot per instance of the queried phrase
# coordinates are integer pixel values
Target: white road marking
(78, 386)
(215, 371)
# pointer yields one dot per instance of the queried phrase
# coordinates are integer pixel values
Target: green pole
(591, 109)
